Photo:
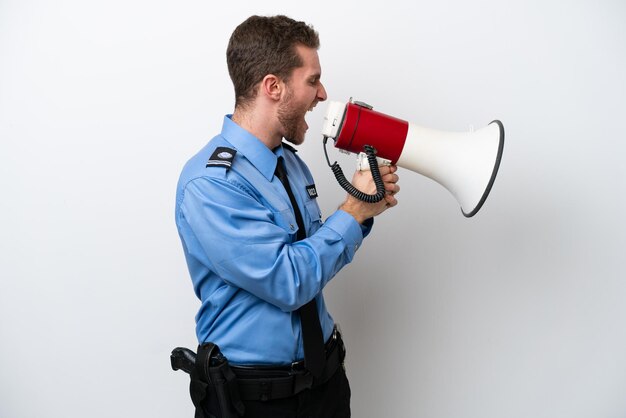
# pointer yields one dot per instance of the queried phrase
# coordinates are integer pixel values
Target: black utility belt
(259, 370)
(264, 383)
(212, 375)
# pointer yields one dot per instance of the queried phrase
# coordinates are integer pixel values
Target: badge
(311, 191)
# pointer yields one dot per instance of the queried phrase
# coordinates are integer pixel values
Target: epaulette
(289, 147)
(222, 157)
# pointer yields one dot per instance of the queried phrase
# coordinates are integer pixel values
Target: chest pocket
(287, 220)
(315, 214)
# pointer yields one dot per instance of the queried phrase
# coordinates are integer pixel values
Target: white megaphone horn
(465, 163)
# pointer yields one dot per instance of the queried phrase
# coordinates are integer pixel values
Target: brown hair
(264, 45)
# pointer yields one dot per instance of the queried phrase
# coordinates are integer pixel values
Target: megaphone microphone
(465, 163)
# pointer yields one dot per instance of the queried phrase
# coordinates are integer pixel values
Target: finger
(387, 169)
(384, 170)
(392, 188)
(391, 201)
(391, 178)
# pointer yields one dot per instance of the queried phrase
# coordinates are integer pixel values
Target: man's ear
(272, 87)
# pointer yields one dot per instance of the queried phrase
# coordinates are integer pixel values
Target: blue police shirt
(238, 231)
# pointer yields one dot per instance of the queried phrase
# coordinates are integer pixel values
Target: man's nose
(321, 93)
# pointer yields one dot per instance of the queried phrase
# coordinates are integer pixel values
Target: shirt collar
(251, 147)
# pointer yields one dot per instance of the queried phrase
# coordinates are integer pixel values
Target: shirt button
(292, 227)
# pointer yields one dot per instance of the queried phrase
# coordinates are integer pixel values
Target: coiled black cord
(348, 187)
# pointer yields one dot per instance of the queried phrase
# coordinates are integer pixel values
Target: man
(257, 249)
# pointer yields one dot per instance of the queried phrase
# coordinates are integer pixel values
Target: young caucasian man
(258, 252)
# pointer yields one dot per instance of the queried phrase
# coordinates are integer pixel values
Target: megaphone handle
(348, 187)
(363, 164)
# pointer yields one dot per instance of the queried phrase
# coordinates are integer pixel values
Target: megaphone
(465, 163)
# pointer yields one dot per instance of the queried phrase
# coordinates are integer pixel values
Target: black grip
(183, 359)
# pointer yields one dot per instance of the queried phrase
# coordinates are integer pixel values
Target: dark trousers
(328, 400)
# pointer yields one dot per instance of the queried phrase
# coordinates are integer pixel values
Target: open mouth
(310, 109)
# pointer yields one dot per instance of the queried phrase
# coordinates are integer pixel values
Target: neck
(260, 124)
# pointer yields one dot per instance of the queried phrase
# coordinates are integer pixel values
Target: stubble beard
(292, 120)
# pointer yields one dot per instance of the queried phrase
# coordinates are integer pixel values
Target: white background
(518, 312)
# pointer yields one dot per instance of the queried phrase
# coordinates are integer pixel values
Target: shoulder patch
(222, 157)
(289, 147)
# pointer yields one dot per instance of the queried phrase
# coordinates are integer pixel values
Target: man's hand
(363, 181)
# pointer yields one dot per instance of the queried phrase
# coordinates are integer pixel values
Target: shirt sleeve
(247, 246)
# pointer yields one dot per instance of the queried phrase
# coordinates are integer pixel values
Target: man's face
(303, 91)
